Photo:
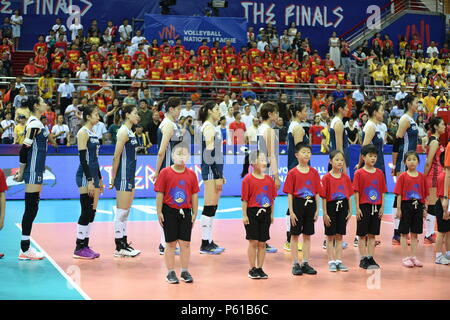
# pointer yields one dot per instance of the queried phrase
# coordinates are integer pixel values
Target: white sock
(337, 261)
(288, 223)
(119, 221)
(396, 221)
(163, 238)
(88, 230)
(81, 231)
(206, 226)
(210, 239)
(331, 261)
(125, 223)
(438, 254)
(25, 238)
(430, 222)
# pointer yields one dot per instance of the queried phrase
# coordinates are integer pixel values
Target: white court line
(53, 262)
(104, 211)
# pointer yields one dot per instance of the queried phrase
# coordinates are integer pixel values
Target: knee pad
(432, 210)
(92, 215)
(31, 203)
(86, 209)
(121, 215)
(209, 211)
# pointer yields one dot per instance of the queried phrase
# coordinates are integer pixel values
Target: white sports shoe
(442, 260)
(31, 254)
(126, 251)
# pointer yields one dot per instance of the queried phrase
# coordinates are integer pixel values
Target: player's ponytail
(432, 124)
(203, 112)
(126, 110)
(250, 157)
(333, 109)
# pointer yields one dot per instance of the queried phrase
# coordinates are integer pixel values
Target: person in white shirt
(74, 117)
(82, 75)
(100, 131)
(74, 28)
(125, 31)
(61, 132)
(247, 117)
(188, 111)
(251, 135)
(137, 73)
(431, 49)
(401, 94)
(262, 44)
(225, 105)
(65, 94)
(229, 117)
(7, 126)
(382, 128)
(58, 27)
(16, 23)
(138, 37)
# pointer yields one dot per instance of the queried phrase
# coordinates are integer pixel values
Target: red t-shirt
(411, 188)
(178, 188)
(238, 132)
(336, 188)
(3, 186)
(302, 185)
(259, 193)
(316, 136)
(370, 186)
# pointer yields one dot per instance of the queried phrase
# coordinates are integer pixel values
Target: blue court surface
(45, 279)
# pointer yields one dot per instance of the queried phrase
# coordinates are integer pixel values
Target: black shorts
(443, 225)
(412, 217)
(370, 222)
(338, 212)
(177, 225)
(258, 228)
(304, 209)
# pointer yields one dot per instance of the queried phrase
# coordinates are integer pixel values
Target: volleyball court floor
(221, 277)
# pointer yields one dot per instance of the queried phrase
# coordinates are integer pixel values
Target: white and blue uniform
(35, 166)
(126, 172)
(262, 145)
(93, 146)
(378, 142)
(333, 144)
(212, 161)
(175, 139)
(292, 160)
(409, 143)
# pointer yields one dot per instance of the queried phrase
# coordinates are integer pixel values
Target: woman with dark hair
(32, 166)
(123, 179)
(433, 169)
(212, 174)
(89, 182)
(338, 136)
(405, 140)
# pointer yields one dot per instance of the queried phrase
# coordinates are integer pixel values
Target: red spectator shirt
(3, 186)
(30, 69)
(177, 187)
(316, 136)
(370, 186)
(57, 60)
(411, 188)
(62, 45)
(414, 44)
(302, 185)
(228, 50)
(73, 56)
(203, 51)
(334, 189)
(40, 45)
(238, 132)
(259, 193)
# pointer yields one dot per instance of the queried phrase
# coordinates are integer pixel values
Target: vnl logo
(423, 35)
(169, 32)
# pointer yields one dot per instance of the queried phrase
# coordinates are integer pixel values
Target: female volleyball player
(432, 171)
(123, 179)
(405, 140)
(177, 208)
(168, 135)
(338, 136)
(412, 193)
(32, 167)
(212, 173)
(258, 200)
(267, 143)
(89, 182)
(337, 209)
(296, 135)
(442, 247)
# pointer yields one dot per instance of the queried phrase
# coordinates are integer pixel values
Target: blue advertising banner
(59, 180)
(192, 30)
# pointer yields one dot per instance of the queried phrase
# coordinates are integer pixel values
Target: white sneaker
(31, 254)
(127, 252)
(442, 260)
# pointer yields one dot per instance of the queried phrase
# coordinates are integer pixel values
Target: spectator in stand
(360, 60)
(359, 96)
(74, 117)
(46, 85)
(145, 115)
(401, 94)
(20, 98)
(41, 62)
(152, 128)
(50, 116)
(247, 117)
(19, 130)
(249, 98)
(16, 24)
(66, 91)
(76, 28)
(315, 131)
(100, 131)
(7, 28)
(142, 140)
(82, 75)
(237, 129)
(59, 28)
(282, 131)
(250, 35)
(335, 51)
(432, 49)
(345, 56)
(187, 111)
(430, 102)
(225, 105)
(229, 118)
(352, 132)
(125, 31)
(30, 69)
(325, 146)
(129, 99)
(7, 126)
(338, 93)
(61, 132)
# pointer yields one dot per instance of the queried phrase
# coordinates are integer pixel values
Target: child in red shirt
(337, 209)
(177, 207)
(3, 188)
(303, 188)
(369, 185)
(412, 198)
(258, 200)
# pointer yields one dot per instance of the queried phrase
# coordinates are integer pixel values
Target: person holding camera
(142, 140)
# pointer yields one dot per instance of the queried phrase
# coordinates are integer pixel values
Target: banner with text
(192, 30)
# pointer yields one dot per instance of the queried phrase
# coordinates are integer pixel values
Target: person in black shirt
(283, 108)
(153, 128)
(352, 132)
